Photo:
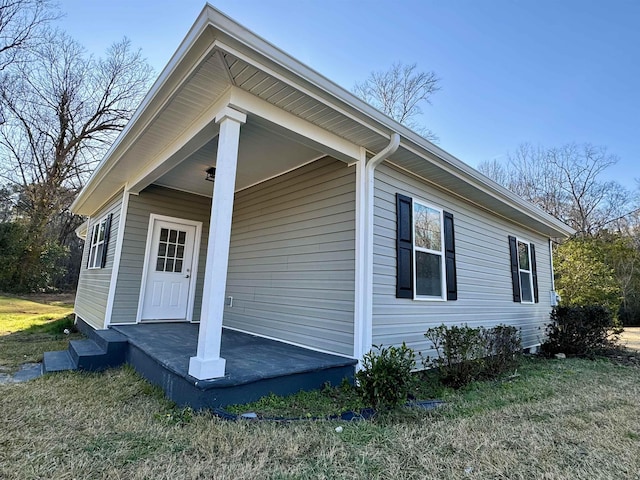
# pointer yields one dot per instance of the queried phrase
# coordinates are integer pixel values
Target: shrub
(503, 350)
(580, 330)
(385, 379)
(458, 348)
(584, 273)
(465, 354)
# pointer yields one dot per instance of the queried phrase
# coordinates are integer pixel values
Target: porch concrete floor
(249, 358)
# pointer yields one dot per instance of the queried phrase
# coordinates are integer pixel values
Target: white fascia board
(294, 71)
(309, 82)
(133, 129)
(308, 133)
(472, 177)
(175, 152)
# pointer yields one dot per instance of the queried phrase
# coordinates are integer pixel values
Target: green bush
(385, 379)
(503, 350)
(465, 354)
(458, 350)
(580, 330)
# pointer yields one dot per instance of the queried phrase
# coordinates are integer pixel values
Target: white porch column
(207, 363)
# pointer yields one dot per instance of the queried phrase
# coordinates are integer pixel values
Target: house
(250, 192)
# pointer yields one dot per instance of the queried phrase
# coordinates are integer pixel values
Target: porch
(160, 352)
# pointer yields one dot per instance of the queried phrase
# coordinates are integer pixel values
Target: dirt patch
(630, 338)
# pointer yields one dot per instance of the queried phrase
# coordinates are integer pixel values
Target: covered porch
(281, 163)
(160, 352)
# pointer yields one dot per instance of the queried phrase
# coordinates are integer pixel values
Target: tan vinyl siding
(161, 201)
(483, 269)
(292, 258)
(93, 284)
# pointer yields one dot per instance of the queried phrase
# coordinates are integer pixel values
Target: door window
(171, 250)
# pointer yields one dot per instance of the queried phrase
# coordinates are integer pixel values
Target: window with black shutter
(524, 274)
(404, 246)
(425, 242)
(99, 243)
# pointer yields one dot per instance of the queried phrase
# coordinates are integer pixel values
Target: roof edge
(464, 171)
(108, 160)
(303, 76)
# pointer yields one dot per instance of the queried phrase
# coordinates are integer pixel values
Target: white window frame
(93, 262)
(522, 270)
(443, 278)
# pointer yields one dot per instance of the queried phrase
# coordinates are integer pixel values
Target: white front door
(169, 268)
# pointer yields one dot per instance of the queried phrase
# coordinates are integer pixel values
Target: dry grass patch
(557, 420)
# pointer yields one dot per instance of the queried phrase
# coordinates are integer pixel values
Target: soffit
(308, 98)
(491, 198)
(293, 100)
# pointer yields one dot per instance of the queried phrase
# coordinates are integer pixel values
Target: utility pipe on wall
(364, 277)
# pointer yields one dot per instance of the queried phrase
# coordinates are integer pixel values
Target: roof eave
(117, 148)
(382, 123)
(300, 76)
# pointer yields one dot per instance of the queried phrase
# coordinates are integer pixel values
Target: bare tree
(63, 107)
(20, 26)
(398, 92)
(565, 182)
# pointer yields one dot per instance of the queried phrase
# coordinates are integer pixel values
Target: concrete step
(89, 355)
(114, 343)
(58, 362)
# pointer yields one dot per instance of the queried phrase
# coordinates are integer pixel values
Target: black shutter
(450, 257)
(404, 247)
(107, 234)
(534, 273)
(87, 243)
(515, 270)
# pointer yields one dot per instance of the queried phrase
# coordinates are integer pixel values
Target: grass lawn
(559, 419)
(32, 325)
(556, 419)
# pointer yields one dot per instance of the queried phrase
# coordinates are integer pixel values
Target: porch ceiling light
(211, 173)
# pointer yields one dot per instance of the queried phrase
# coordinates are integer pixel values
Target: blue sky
(540, 71)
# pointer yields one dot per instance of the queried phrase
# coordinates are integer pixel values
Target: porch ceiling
(262, 154)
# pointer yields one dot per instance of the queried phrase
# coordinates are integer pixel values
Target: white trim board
(115, 270)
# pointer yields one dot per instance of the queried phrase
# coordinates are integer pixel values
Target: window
(425, 261)
(99, 242)
(171, 250)
(526, 287)
(427, 246)
(523, 271)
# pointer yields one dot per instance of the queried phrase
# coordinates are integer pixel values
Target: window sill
(429, 299)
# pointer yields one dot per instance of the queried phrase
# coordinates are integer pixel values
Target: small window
(98, 246)
(524, 264)
(524, 274)
(428, 252)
